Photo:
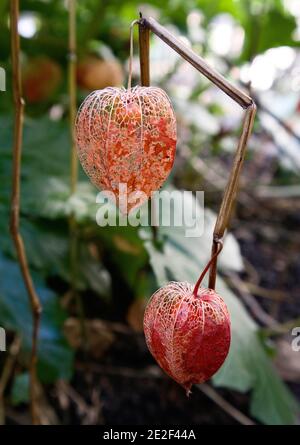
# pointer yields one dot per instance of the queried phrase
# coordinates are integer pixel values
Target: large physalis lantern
(126, 140)
(127, 137)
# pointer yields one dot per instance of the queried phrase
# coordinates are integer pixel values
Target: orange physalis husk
(127, 137)
(187, 334)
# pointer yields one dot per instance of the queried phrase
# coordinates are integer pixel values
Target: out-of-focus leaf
(262, 31)
(99, 336)
(45, 172)
(55, 358)
(247, 366)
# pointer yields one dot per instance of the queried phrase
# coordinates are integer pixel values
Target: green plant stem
(72, 91)
(74, 162)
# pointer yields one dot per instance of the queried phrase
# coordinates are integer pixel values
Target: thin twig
(271, 294)
(74, 162)
(6, 373)
(281, 328)
(135, 22)
(154, 372)
(238, 96)
(72, 91)
(251, 302)
(15, 201)
(144, 53)
(212, 394)
(205, 270)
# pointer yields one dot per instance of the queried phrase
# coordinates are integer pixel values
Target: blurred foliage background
(105, 373)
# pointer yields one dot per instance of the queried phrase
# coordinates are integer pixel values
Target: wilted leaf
(98, 339)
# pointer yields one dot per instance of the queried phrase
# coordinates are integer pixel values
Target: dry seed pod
(127, 137)
(188, 335)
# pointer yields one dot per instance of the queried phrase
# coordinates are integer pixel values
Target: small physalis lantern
(127, 137)
(187, 330)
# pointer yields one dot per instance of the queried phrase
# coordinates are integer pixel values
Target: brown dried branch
(212, 394)
(271, 294)
(281, 328)
(255, 308)
(15, 201)
(228, 88)
(72, 45)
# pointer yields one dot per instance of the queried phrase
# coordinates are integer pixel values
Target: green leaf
(46, 204)
(20, 389)
(247, 366)
(55, 358)
(261, 32)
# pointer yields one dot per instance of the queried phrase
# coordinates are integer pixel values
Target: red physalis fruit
(127, 137)
(187, 334)
(41, 77)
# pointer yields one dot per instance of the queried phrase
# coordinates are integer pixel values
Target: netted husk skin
(128, 137)
(188, 336)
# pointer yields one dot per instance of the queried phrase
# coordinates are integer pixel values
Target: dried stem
(232, 91)
(212, 394)
(74, 161)
(72, 91)
(15, 202)
(205, 270)
(153, 372)
(231, 189)
(144, 50)
(131, 54)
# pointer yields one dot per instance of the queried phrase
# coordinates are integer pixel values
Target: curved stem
(34, 300)
(135, 22)
(197, 285)
(239, 96)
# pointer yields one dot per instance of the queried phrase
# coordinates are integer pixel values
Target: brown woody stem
(205, 270)
(15, 203)
(239, 96)
(144, 49)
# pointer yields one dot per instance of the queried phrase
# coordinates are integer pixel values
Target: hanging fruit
(127, 137)
(95, 74)
(187, 329)
(41, 77)
(126, 140)
(188, 334)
